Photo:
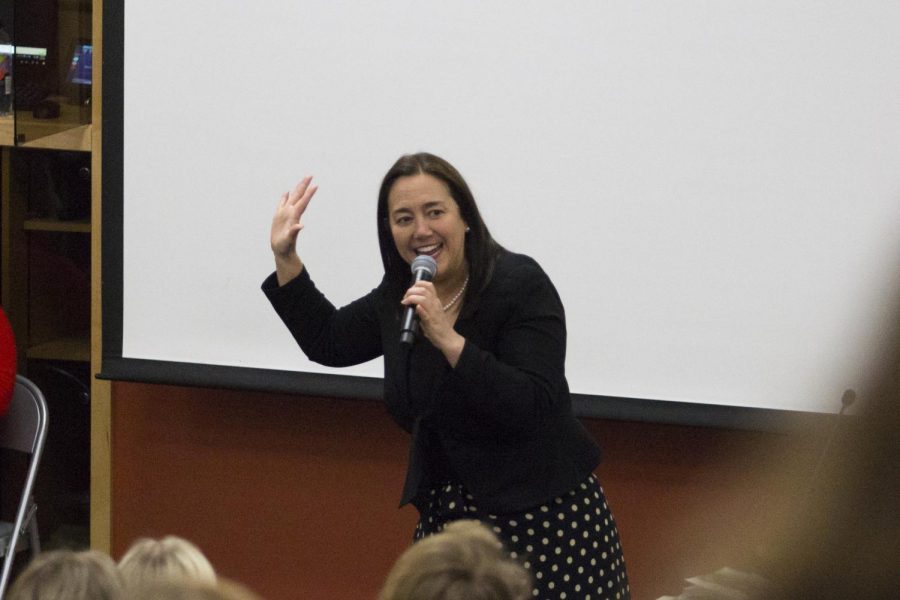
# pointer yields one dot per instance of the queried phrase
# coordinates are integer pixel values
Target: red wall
(297, 497)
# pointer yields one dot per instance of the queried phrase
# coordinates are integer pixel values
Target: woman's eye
(436, 212)
(403, 220)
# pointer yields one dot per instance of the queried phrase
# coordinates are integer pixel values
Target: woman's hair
(466, 561)
(191, 590)
(168, 558)
(481, 250)
(68, 575)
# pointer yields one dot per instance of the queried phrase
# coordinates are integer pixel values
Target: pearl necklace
(450, 304)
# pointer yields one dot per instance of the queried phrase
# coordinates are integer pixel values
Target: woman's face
(424, 219)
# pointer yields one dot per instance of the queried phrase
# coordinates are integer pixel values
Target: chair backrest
(22, 428)
(24, 425)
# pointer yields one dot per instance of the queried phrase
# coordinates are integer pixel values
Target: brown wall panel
(297, 497)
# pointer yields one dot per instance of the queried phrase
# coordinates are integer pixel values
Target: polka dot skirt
(570, 544)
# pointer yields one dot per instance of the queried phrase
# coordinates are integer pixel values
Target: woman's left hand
(436, 324)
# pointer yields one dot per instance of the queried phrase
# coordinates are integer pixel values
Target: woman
(484, 394)
(68, 575)
(171, 557)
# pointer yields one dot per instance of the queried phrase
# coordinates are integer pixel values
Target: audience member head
(843, 539)
(68, 575)
(168, 558)
(466, 561)
(184, 589)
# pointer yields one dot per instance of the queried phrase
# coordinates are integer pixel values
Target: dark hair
(481, 251)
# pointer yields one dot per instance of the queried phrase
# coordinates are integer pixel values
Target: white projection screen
(714, 187)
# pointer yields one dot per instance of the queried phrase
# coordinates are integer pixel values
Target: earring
(468, 229)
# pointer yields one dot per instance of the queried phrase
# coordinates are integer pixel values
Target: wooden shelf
(74, 138)
(68, 348)
(57, 225)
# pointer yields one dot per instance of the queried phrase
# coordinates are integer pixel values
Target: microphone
(423, 268)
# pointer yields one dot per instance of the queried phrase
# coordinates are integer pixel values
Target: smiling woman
(483, 393)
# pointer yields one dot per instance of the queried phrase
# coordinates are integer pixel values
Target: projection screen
(714, 187)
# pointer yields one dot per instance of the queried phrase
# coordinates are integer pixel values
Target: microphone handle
(410, 324)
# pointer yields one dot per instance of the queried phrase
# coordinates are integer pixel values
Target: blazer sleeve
(521, 383)
(334, 337)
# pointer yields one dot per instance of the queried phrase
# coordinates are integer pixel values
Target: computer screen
(81, 65)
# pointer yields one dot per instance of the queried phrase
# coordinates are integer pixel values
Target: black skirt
(570, 545)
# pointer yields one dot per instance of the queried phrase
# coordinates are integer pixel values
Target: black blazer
(501, 422)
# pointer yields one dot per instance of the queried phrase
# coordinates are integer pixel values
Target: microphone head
(426, 264)
(848, 398)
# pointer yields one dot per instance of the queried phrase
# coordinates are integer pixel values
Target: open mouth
(429, 250)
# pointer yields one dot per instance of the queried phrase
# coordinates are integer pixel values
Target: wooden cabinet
(46, 239)
(46, 252)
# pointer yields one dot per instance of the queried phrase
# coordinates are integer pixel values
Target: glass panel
(53, 74)
(7, 129)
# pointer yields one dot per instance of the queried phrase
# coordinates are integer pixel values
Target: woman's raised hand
(286, 224)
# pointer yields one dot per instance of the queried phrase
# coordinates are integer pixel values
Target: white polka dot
(558, 500)
(562, 595)
(572, 542)
(543, 558)
(527, 565)
(577, 587)
(534, 593)
(515, 538)
(561, 516)
(529, 516)
(558, 550)
(583, 552)
(587, 517)
(603, 556)
(569, 561)
(591, 579)
(512, 523)
(552, 585)
(559, 533)
(606, 538)
(492, 517)
(544, 509)
(609, 584)
(546, 524)
(513, 555)
(574, 525)
(496, 529)
(580, 570)
(587, 500)
(545, 541)
(452, 505)
(566, 577)
(554, 568)
(530, 548)
(530, 531)
(585, 534)
(539, 575)
(574, 507)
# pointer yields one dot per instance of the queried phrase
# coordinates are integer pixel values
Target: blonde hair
(171, 557)
(466, 561)
(68, 575)
(183, 589)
